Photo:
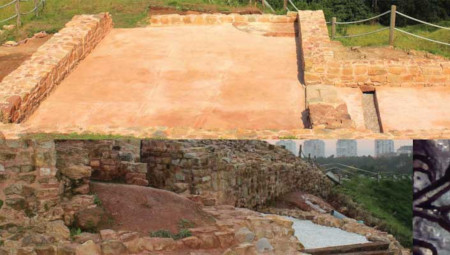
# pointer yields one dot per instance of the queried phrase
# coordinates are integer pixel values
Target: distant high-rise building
(314, 148)
(405, 150)
(288, 145)
(346, 148)
(384, 148)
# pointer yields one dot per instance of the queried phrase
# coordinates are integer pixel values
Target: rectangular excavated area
(184, 76)
(423, 108)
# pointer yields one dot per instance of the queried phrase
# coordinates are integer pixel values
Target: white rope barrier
(34, 9)
(295, 7)
(423, 22)
(363, 20)
(421, 37)
(8, 19)
(30, 11)
(42, 2)
(268, 5)
(363, 34)
(8, 4)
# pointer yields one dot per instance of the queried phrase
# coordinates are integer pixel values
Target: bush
(74, 232)
(167, 234)
(161, 233)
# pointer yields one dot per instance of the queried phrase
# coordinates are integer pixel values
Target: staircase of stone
(353, 249)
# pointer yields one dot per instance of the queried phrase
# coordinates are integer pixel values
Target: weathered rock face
(241, 173)
(30, 190)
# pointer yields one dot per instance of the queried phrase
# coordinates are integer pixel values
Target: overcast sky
(365, 147)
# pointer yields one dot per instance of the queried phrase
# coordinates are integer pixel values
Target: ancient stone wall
(44, 185)
(31, 191)
(108, 160)
(217, 19)
(28, 183)
(44, 189)
(22, 90)
(330, 63)
(241, 173)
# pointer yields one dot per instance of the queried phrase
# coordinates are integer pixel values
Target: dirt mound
(303, 201)
(145, 209)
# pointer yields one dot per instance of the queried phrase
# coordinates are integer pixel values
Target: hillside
(387, 200)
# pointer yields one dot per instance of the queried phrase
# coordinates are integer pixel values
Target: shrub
(185, 223)
(167, 234)
(161, 233)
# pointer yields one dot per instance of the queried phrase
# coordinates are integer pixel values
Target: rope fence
(17, 10)
(362, 34)
(392, 27)
(363, 20)
(295, 7)
(421, 37)
(8, 4)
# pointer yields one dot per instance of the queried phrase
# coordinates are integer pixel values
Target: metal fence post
(36, 9)
(333, 28)
(17, 7)
(392, 25)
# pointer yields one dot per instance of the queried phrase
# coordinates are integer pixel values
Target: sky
(365, 147)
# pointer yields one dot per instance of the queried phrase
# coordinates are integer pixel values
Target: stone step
(366, 248)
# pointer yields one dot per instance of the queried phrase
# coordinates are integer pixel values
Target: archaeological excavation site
(223, 127)
(257, 76)
(175, 197)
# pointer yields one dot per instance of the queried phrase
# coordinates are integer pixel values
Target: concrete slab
(414, 108)
(187, 76)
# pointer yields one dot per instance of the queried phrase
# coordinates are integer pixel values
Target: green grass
(74, 232)
(402, 41)
(125, 13)
(389, 201)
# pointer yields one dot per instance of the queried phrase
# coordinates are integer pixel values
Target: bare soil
(13, 57)
(145, 209)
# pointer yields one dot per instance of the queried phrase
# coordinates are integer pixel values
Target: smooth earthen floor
(414, 108)
(192, 76)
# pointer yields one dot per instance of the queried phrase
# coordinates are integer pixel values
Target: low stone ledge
(218, 18)
(22, 90)
(323, 64)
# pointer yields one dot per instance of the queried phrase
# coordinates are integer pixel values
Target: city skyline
(365, 147)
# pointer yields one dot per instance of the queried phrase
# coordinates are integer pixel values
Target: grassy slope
(126, 13)
(388, 200)
(402, 41)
